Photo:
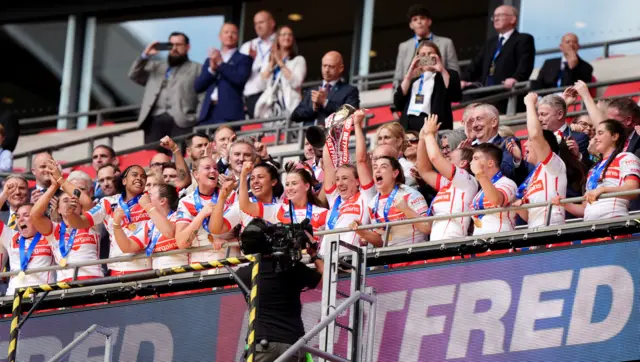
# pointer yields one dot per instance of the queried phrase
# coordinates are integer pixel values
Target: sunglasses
(413, 141)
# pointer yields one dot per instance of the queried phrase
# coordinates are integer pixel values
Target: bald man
(222, 79)
(319, 103)
(259, 49)
(565, 70)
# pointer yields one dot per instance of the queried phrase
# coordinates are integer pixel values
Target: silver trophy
(338, 127)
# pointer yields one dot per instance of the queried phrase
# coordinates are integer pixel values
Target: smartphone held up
(163, 46)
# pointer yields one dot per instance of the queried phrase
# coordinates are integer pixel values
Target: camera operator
(278, 321)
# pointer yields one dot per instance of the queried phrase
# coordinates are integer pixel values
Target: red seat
(380, 115)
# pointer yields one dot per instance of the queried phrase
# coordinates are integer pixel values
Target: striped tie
(12, 221)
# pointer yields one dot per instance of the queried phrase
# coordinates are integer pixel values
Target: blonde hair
(396, 130)
(506, 132)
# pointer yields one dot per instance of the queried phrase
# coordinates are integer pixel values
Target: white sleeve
(184, 216)
(269, 212)
(368, 193)
(332, 194)
(244, 49)
(464, 181)
(629, 166)
(98, 213)
(554, 165)
(508, 189)
(417, 203)
(232, 216)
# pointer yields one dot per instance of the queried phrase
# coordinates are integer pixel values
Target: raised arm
(78, 221)
(592, 108)
(329, 169)
(246, 206)
(68, 187)
(124, 242)
(37, 215)
(534, 128)
(423, 164)
(438, 161)
(365, 175)
(184, 176)
(216, 221)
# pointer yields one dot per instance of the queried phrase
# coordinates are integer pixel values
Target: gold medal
(21, 275)
(210, 237)
(132, 227)
(477, 222)
(63, 262)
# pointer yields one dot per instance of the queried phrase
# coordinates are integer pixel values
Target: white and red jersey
(42, 256)
(279, 213)
(454, 196)
(549, 180)
(496, 222)
(405, 234)
(143, 238)
(625, 166)
(103, 213)
(353, 209)
(188, 211)
(233, 216)
(86, 247)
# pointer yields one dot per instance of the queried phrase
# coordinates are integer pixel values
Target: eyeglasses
(497, 16)
(413, 141)
(159, 164)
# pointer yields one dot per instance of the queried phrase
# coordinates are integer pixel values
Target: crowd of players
(230, 181)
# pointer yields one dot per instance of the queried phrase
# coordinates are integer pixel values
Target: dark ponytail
(278, 189)
(614, 127)
(575, 170)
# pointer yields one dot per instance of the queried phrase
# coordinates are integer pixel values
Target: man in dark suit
(223, 77)
(564, 71)
(505, 59)
(552, 113)
(627, 111)
(318, 104)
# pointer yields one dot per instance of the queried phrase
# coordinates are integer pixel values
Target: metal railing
(99, 114)
(108, 345)
(386, 225)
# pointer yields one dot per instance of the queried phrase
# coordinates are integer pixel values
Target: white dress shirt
(226, 56)
(506, 36)
(428, 81)
(263, 49)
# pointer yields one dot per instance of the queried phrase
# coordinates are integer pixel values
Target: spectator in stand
(420, 23)
(497, 190)
(158, 161)
(505, 59)
(102, 155)
(6, 157)
(486, 122)
(170, 174)
(411, 151)
(106, 179)
(17, 245)
(40, 171)
(318, 104)
(222, 79)
(313, 157)
(566, 70)
(170, 102)
(427, 88)
(259, 49)
(283, 77)
(184, 178)
(583, 124)
(222, 139)
(15, 192)
(198, 146)
(450, 141)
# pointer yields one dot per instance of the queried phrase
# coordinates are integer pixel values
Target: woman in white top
(283, 77)
(393, 134)
(618, 171)
(452, 179)
(158, 233)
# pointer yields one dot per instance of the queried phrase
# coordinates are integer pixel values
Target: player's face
(154, 196)
(384, 176)
(261, 182)
(207, 173)
(25, 227)
(604, 139)
(170, 175)
(296, 189)
(63, 205)
(346, 182)
(135, 180)
(152, 181)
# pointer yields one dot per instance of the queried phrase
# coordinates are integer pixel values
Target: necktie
(12, 221)
(563, 67)
(492, 68)
(500, 41)
(327, 87)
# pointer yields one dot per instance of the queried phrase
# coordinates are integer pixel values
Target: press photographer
(282, 277)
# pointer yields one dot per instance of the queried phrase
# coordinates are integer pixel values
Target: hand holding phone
(163, 46)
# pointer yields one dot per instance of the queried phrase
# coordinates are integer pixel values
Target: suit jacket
(514, 61)
(583, 144)
(550, 71)
(11, 129)
(634, 144)
(341, 93)
(151, 74)
(507, 167)
(441, 99)
(229, 78)
(407, 51)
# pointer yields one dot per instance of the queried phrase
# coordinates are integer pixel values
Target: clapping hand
(514, 150)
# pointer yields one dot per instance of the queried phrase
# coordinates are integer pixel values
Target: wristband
(176, 150)
(116, 226)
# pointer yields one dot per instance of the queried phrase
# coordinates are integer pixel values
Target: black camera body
(281, 242)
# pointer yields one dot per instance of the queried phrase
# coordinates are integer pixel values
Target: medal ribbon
(25, 255)
(594, 176)
(478, 202)
(335, 213)
(154, 240)
(309, 214)
(125, 206)
(276, 70)
(198, 203)
(525, 185)
(65, 247)
(387, 205)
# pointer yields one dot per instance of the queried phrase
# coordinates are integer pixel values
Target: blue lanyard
(276, 70)
(65, 247)
(25, 257)
(309, 212)
(594, 176)
(478, 202)
(167, 74)
(125, 206)
(387, 205)
(429, 38)
(525, 185)
(154, 240)
(198, 204)
(421, 83)
(335, 213)
(260, 51)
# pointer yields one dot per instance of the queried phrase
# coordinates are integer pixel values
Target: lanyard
(594, 176)
(167, 74)
(335, 213)
(276, 70)
(478, 202)
(525, 185)
(387, 205)
(262, 54)
(309, 212)
(198, 204)
(421, 83)
(255, 200)
(25, 255)
(125, 206)
(154, 240)
(65, 247)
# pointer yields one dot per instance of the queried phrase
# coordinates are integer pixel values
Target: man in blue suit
(223, 77)
(317, 104)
